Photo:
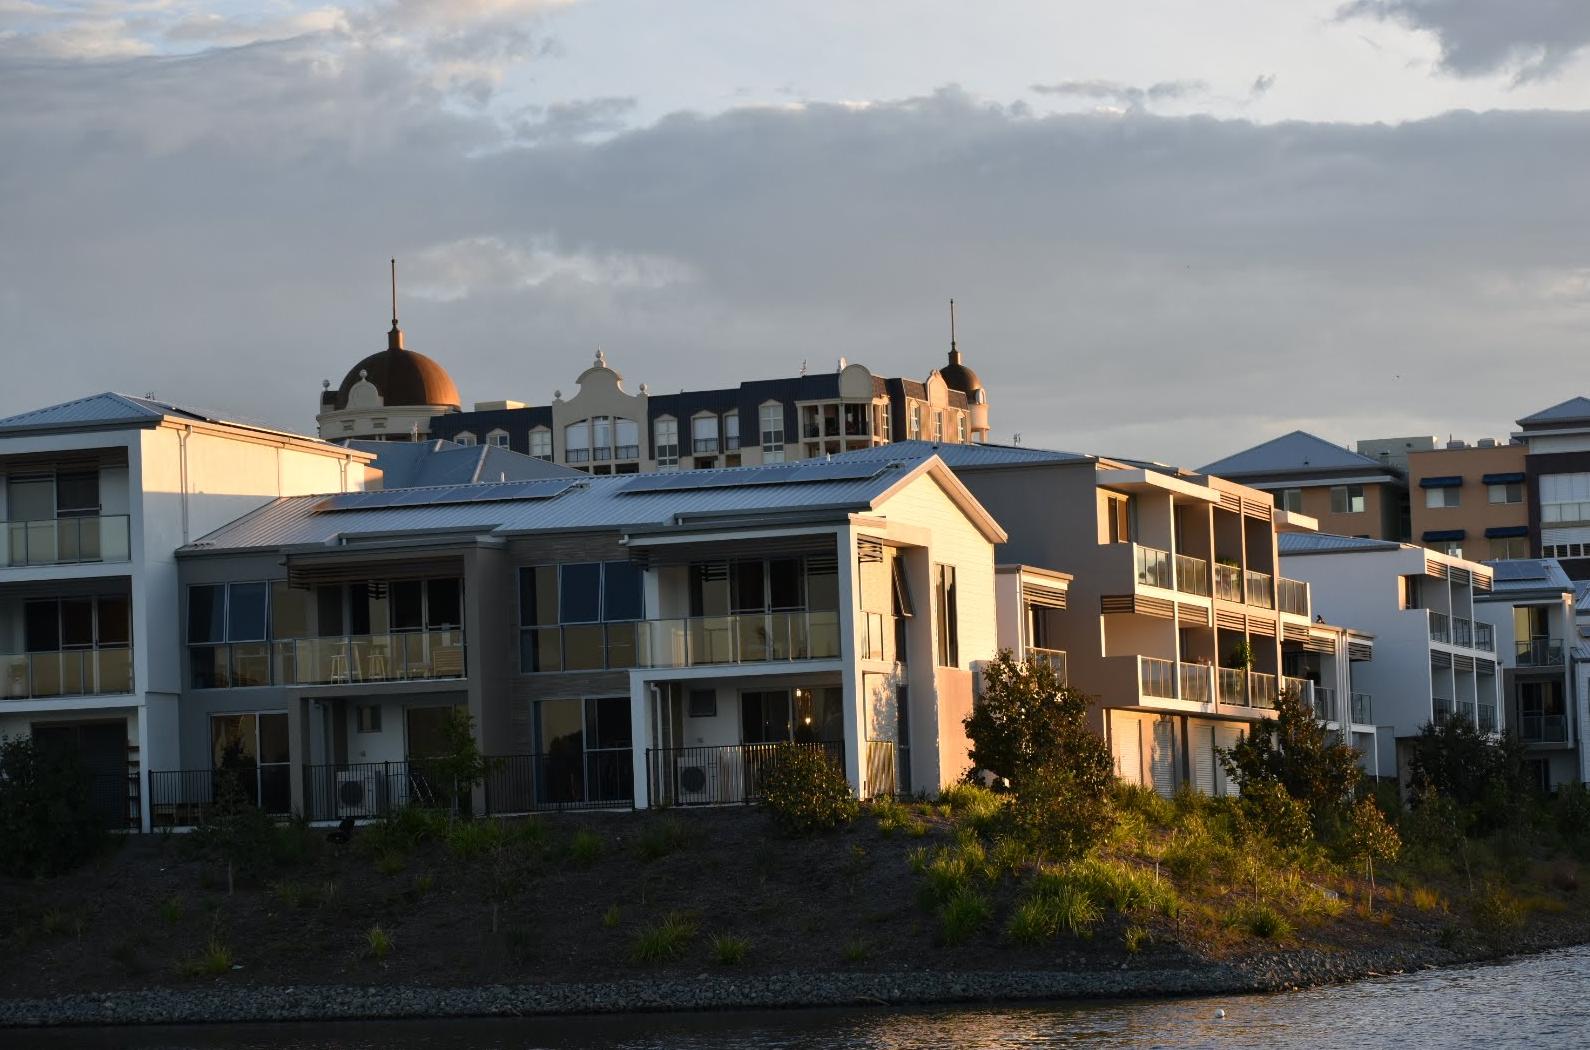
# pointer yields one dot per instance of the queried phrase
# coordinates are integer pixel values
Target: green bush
(973, 805)
(235, 832)
(1483, 775)
(1296, 752)
(1498, 915)
(1268, 809)
(963, 915)
(1260, 920)
(1056, 902)
(1061, 813)
(730, 950)
(214, 960)
(665, 940)
(806, 791)
(469, 839)
(47, 821)
(1123, 887)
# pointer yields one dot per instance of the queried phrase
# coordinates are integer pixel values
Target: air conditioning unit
(358, 793)
(691, 780)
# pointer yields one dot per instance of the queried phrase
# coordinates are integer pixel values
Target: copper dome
(402, 377)
(957, 376)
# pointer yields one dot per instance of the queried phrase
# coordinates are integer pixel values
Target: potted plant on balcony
(1241, 656)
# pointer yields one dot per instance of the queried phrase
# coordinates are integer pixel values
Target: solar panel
(744, 477)
(443, 495)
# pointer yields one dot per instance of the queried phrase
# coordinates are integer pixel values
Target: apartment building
(1469, 500)
(1557, 478)
(1346, 492)
(1174, 616)
(617, 640)
(96, 495)
(1434, 656)
(1532, 612)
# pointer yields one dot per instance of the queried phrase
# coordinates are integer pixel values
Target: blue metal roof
(798, 473)
(1297, 452)
(1443, 481)
(1573, 410)
(112, 410)
(419, 464)
(1329, 543)
(968, 456)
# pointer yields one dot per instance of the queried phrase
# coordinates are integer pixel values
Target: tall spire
(394, 338)
(955, 355)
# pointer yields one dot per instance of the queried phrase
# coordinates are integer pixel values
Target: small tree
(47, 819)
(1294, 750)
(1482, 774)
(1370, 838)
(806, 791)
(1032, 732)
(235, 831)
(459, 767)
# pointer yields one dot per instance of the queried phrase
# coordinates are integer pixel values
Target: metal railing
(1055, 658)
(1441, 709)
(1260, 589)
(1153, 566)
(1302, 687)
(68, 541)
(1538, 652)
(1440, 627)
(1195, 681)
(1462, 632)
(1543, 729)
(1487, 721)
(578, 647)
(402, 656)
(732, 773)
(1325, 703)
(884, 769)
(1192, 575)
(372, 789)
(1484, 636)
(1156, 677)
(183, 798)
(113, 799)
(1362, 711)
(1228, 583)
(1261, 689)
(1292, 596)
(69, 672)
(553, 783)
(738, 638)
(1233, 685)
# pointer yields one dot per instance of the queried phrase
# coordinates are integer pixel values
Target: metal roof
(419, 464)
(1329, 543)
(1529, 574)
(964, 456)
(1575, 409)
(124, 410)
(1297, 452)
(591, 503)
(800, 472)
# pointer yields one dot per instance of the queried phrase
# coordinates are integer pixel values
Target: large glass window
(1564, 497)
(731, 431)
(577, 442)
(626, 439)
(541, 443)
(579, 616)
(253, 749)
(806, 715)
(601, 437)
(704, 434)
(946, 616)
(229, 635)
(772, 425)
(666, 440)
(71, 647)
(1347, 499)
(585, 751)
(1117, 518)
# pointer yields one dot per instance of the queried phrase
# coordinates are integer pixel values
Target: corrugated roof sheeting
(1298, 451)
(958, 456)
(1325, 542)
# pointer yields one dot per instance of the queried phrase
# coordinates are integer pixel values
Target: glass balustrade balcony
(71, 672)
(1228, 583)
(1292, 596)
(1153, 567)
(738, 638)
(403, 656)
(1192, 575)
(1260, 589)
(67, 541)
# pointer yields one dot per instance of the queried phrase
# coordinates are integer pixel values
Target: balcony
(1440, 628)
(1228, 583)
(733, 773)
(1538, 652)
(1462, 632)
(1362, 711)
(1153, 567)
(738, 638)
(1261, 689)
(1192, 575)
(68, 541)
(1292, 596)
(1055, 658)
(1196, 682)
(1302, 688)
(1260, 589)
(1156, 677)
(406, 656)
(1543, 729)
(1325, 704)
(1484, 636)
(1487, 722)
(72, 672)
(1441, 709)
(1233, 683)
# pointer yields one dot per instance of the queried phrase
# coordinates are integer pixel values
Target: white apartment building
(96, 495)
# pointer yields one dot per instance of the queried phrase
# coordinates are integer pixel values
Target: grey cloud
(216, 228)
(1528, 38)
(573, 120)
(1262, 85)
(1126, 96)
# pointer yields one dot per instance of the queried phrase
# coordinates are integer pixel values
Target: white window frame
(465, 437)
(1442, 497)
(665, 442)
(497, 438)
(541, 443)
(770, 424)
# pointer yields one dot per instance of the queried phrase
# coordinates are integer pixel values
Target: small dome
(402, 377)
(957, 376)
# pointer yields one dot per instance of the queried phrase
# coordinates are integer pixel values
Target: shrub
(214, 960)
(235, 831)
(665, 940)
(1296, 752)
(47, 820)
(855, 951)
(1370, 838)
(585, 848)
(806, 791)
(668, 835)
(963, 915)
(972, 805)
(1027, 720)
(1123, 887)
(729, 950)
(1260, 920)
(390, 862)
(378, 942)
(424, 883)
(1426, 899)
(172, 910)
(1269, 809)
(292, 894)
(1136, 938)
(1069, 905)
(403, 829)
(1571, 811)
(1498, 915)
(1008, 854)
(459, 767)
(1483, 775)
(468, 839)
(1154, 808)
(1061, 812)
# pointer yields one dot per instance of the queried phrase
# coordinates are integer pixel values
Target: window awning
(1443, 481)
(1434, 535)
(1496, 532)
(1504, 479)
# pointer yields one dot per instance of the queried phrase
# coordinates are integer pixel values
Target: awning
(1496, 532)
(1504, 479)
(1432, 535)
(1443, 481)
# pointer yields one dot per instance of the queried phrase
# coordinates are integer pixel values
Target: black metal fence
(182, 798)
(114, 799)
(549, 783)
(704, 776)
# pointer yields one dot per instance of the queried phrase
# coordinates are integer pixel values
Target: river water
(1539, 1001)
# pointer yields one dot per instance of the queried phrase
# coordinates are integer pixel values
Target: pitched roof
(1573, 410)
(111, 410)
(1297, 452)
(617, 502)
(1529, 574)
(416, 464)
(1329, 543)
(965, 456)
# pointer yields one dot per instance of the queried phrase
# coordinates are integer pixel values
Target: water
(1540, 1001)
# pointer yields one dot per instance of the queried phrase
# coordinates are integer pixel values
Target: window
(666, 439)
(253, 748)
(946, 616)
(938, 426)
(577, 442)
(585, 748)
(601, 437)
(1117, 518)
(915, 433)
(579, 616)
(731, 431)
(1446, 496)
(72, 647)
(1290, 500)
(1453, 548)
(885, 422)
(960, 427)
(772, 424)
(368, 718)
(541, 443)
(1510, 547)
(1513, 492)
(1347, 499)
(626, 438)
(497, 438)
(704, 434)
(464, 437)
(802, 715)
(1564, 497)
(229, 635)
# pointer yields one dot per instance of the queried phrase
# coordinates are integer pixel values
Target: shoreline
(1279, 971)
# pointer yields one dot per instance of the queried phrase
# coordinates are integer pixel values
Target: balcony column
(642, 736)
(855, 743)
(297, 749)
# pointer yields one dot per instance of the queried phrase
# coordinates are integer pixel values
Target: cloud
(1261, 85)
(574, 120)
(1530, 39)
(476, 266)
(1125, 96)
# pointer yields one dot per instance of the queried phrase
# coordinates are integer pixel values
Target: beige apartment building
(1471, 501)
(1348, 493)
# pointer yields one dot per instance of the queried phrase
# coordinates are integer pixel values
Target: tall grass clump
(665, 940)
(963, 915)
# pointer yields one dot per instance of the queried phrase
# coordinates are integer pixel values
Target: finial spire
(955, 355)
(394, 338)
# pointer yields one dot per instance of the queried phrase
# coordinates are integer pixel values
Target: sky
(1172, 230)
